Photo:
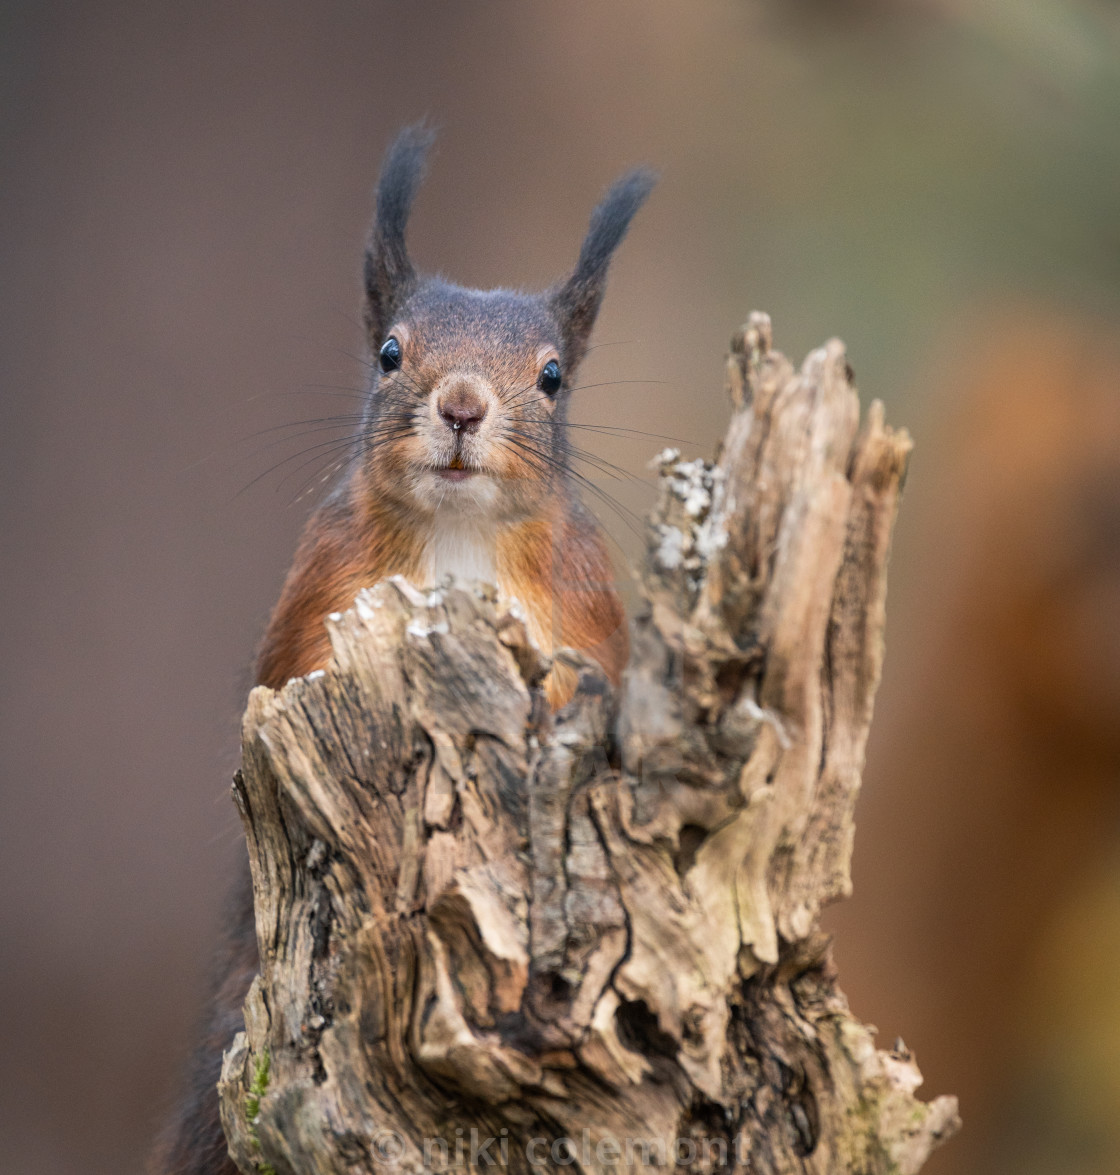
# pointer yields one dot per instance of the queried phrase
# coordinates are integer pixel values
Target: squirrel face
(467, 406)
(467, 401)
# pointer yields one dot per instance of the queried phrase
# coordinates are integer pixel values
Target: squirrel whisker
(545, 460)
(355, 440)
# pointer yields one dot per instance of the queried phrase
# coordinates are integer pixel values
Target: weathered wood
(599, 925)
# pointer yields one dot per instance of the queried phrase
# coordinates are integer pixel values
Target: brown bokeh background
(186, 191)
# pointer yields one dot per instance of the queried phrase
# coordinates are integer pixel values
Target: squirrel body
(555, 565)
(460, 466)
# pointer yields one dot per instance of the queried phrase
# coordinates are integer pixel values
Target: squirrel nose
(462, 413)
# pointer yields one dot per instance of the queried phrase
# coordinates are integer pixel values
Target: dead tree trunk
(490, 934)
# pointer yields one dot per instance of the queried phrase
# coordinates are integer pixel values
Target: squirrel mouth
(454, 470)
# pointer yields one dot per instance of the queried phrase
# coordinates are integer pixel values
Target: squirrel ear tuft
(389, 275)
(576, 302)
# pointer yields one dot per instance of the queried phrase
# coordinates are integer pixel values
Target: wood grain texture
(597, 926)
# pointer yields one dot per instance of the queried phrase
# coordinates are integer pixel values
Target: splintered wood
(494, 935)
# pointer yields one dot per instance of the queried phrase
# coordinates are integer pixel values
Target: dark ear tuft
(577, 301)
(389, 275)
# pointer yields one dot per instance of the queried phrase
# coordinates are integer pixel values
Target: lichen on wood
(493, 934)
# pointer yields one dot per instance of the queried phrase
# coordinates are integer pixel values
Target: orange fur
(559, 570)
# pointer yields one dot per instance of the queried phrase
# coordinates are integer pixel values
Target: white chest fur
(455, 546)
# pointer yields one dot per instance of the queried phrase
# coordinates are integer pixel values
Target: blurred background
(186, 189)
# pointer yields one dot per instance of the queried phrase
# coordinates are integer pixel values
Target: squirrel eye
(389, 357)
(549, 379)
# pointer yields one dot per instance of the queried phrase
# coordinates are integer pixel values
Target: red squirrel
(461, 466)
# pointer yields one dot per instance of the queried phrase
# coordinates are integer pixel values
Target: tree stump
(493, 935)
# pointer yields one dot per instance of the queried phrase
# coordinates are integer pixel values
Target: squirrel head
(468, 392)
